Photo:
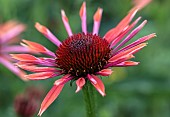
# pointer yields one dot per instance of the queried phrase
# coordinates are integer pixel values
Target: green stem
(89, 98)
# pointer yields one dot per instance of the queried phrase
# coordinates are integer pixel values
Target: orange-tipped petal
(82, 9)
(125, 57)
(24, 57)
(50, 97)
(113, 33)
(105, 72)
(132, 50)
(35, 46)
(98, 15)
(97, 19)
(80, 83)
(66, 23)
(40, 75)
(127, 63)
(97, 83)
(139, 41)
(83, 17)
(46, 32)
(33, 68)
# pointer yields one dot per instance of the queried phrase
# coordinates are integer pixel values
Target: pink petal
(97, 83)
(124, 57)
(66, 23)
(14, 30)
(40, 75)
(13, 68)
(116, 40)
(24, 57)
(53, 93)
(15, 48)
(113, 33)
(141, 3)
(97, 19)
(137, 42)
(105, 72)
(132, 50)
(46, 32)
(37, 69)
(50, 97)
(131, 35)
(83, 17)
(37, 47)
(127, 63)
(80, 83)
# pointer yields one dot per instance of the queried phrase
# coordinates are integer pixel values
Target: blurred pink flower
(85, 55)
(9, 35)
(26, 104)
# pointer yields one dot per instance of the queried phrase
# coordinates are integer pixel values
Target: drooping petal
(113, 33)
(139, 41)
(116, 40)
(97, 19)
(83, 17)
(13, 68)
(37, 47)
(50, 97)
(97, 83)
(41, 75)
(131, 35)
(53, 93)
(80, 83)
(66, 23)
(105, 72)
(47, 33)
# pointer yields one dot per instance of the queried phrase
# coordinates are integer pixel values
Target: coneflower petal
(97, 19)
(83, 17)
(131, 35)
(116, 40)
(137, 42)
(114, 32)
(105, 72)
(24, 57)
(127, 63)
(97, 83)
(141, 3)
(80, 83)
(41, 75)
(54, 92)
(66, 23)
(13, 68)
(47, 33)
(34, 68)
(37, 47)
(50, 97)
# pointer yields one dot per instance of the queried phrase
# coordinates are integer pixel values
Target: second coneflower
(83, 56)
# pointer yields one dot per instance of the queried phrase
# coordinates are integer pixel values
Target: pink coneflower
(83, 56)
(9, 35)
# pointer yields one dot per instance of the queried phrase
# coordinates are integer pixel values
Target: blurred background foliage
(141, 91)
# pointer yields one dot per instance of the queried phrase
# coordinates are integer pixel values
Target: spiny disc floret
(82, 54)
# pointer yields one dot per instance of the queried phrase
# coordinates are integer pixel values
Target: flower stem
(89, 98)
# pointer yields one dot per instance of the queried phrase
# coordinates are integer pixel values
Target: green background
(140, 91)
